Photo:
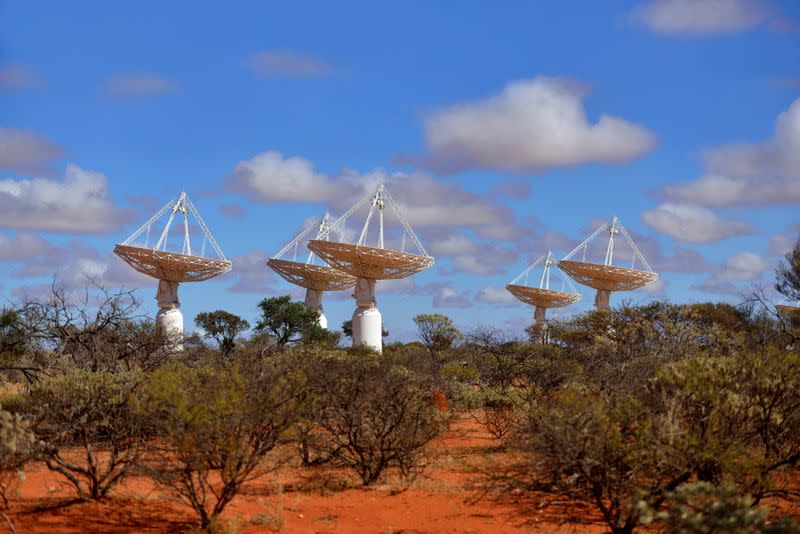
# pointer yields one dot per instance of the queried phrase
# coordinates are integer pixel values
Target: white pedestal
(368, 328)
(169, 320)
(314, 302)
(539, 315)
(601, 299)
(367, 324)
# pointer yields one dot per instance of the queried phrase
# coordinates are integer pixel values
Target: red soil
(301, 500)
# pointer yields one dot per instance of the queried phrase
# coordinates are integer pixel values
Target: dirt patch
(292, 499)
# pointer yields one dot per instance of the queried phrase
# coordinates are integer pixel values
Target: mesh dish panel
(309, 276)
(543, 298)
(369, 262)
(785, 310)
(606, 277)
(171, 266)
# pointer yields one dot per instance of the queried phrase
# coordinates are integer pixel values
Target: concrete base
(169, 323)
(314, 302)
(601, 300)
(169, 320)
(368, 328)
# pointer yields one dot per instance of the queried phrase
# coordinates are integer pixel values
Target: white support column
(314, 302)
(601, 300)
(539, 315)
(169, 320)
(367, 325)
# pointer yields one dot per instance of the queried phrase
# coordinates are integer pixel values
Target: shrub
(90, 411)
(18, 445)
(703, 508)
(216, 425)
(375, 417)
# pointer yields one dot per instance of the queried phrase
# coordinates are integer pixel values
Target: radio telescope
(172, 268)
(543, 297)
(606, 277)
(369, 264)
(788, 310)
(315, 278)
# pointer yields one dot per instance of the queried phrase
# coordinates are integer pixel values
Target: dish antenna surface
(606, 277)
(315, 278)
(172, 268)
(788, 310)
(543, 297)
(370, 264)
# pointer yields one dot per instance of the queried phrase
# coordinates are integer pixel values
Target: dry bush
(89, 412)
(374, 416)
(215, 426)
(18, 445)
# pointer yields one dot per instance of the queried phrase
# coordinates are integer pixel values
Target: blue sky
(503, 132)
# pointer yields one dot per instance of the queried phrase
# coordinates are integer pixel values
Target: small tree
(437, 332)
(222, 327)
(787, 276)
(89, 410)
(374, 417)
(215, 426)
(285, 321)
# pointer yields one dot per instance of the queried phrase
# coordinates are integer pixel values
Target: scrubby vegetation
(684, 418)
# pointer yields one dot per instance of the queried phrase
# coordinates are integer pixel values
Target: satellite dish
(606, 277)
(314, 278)
(788, 310)
(171, 268)
(543, 297)
(369, 264)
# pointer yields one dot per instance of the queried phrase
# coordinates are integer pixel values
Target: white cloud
(15, 77)
(699, 17)
(531, 125)
(693, 224)
(658, 287)
(288, 64)
(270, 177)
(744, 266)
(22, 246)
(447, 297)
(26, 151)
(750, 174)
(78, 204)
(424, 200)
(495, 295)
(140, 85)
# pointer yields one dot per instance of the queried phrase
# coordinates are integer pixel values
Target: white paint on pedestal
(169, 320)
(367, 324)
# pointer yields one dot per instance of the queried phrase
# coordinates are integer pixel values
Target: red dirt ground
(296, 500)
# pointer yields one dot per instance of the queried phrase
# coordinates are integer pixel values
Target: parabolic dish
(369, 262)
(543, 298)
(606, 277)
(171, 266)
(310, 276)
(786, 310)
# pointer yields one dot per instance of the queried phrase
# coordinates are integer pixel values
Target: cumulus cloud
(142, 85)
(447, 297)
(271, 177)
(22, 246)
(532, 125)
(288, 64)
(693, 224)
(252, 274)
(782, 244)
(424, 200)
(750, 174)
(744, 266)
(26, 151)
(15, 77)
(699, 17)
(495, 295)
(79, 203)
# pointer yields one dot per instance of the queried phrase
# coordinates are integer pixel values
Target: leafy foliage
(223, 327)
(285, 321)
(437, 332)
